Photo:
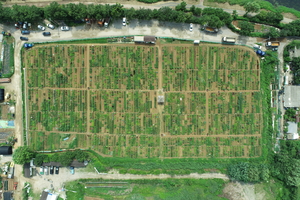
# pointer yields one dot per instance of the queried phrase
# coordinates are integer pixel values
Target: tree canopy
(252, 6)
(23, 155)
(246, 27)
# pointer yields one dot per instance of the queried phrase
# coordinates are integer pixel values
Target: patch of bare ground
(290, 16)
(242, 191)
(223, 5)
(92, 198)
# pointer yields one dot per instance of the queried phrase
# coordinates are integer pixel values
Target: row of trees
(214, 17)
(24, 154)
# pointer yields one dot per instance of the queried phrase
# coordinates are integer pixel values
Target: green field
(105, 97)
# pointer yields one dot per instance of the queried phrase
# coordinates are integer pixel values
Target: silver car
(46, 170)
(65, 28)
(41, 27)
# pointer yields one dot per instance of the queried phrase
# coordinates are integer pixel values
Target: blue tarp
(11, 123)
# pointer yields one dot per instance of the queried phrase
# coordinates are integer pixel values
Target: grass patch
(174, 189)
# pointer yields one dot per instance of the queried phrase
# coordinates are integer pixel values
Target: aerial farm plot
(126, 100)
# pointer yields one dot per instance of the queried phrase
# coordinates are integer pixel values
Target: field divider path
(87, 63)
(160, 107)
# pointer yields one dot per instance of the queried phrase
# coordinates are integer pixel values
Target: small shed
(5, 150)
(292, 136)
(44, 195)
(149, 39)
(160, 99)
(26, 169)
(7, 195)
(138, 39)
(291, 96)
(292, 127)
(196, 41)
(2, 95)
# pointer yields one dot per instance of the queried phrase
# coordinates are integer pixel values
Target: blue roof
(11, 123)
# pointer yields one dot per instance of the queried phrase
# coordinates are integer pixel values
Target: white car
(124, 21)
(191, 27)
(50, 26)
(65, 28)
(256, 46)
(41, 27)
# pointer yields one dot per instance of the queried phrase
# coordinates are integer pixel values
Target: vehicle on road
(25, 32)
(24, 38)
(72, 170)
(46, 33)
(46, 170)
(191, 27)
(256, 46)
(41, 170)
(5, 33)
(24, 25)
(28, 45)
(51, 26)
(106, 22)
(51, 169)
(228, 39)
(5, 80)
(41, 27)
(260, 52)
(56, 170)
(64, 28)
(210, 29)
(124, 21)
(273, 44)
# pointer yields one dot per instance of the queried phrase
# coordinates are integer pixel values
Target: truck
(211, 30)
(106, 22)
(272, 44)
(5, 80)
(228, 39)
(100, 22)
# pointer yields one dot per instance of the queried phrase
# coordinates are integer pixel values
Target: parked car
(24, 25)
(46, 170)
(124, 21)
(256, 46)
(46, 33)
(41, 170)
(56, 170)
(191, 26)
(51, 169)
(41, 27)
(24, 38)
(25, 32)
(72, 170)
(51, 26)
(65, 28)
(28, 45)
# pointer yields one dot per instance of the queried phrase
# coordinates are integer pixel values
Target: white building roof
(52, 196)
(291, 96)
(293, 136)
(292, 127)
(138, 38)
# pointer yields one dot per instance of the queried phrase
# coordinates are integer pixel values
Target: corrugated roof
(292, 127)
(138, 38)
(291, 96)
(149, 38)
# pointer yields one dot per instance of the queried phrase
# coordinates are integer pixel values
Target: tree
(251, 6)
(39, 159)
(66, 158)
(234, 14)
(80, 155)
(117, 11)
(246, 27)
(23, 155)
(273, 33)
(289, 114)
(181, 6)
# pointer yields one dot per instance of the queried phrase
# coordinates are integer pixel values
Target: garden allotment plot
(105, 97)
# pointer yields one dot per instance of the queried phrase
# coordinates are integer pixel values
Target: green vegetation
(264, 5)
(22, 155)
(144, 189)
(295, 65)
